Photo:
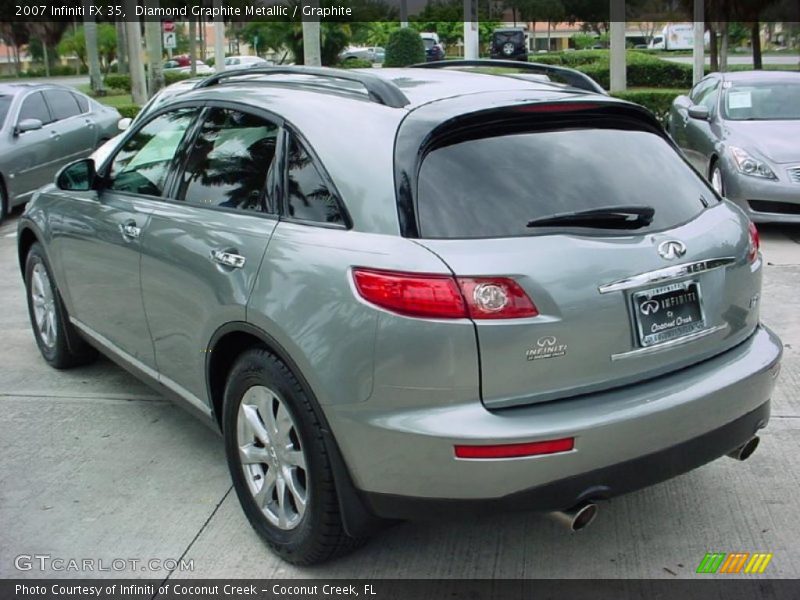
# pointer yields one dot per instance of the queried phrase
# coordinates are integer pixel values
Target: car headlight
(748, 165)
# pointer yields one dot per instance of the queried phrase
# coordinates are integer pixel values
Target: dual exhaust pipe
(583, 514)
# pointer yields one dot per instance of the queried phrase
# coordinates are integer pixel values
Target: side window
(34, 107)
(142, 164)
(709, 97)
(308, 196)
(229, 162)
(83, 102)
(699, 89)
(62, 104)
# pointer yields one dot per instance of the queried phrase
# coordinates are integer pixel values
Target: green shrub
(404, 48)
(657, 101)
(644, 70)
(172, 77)
(116, 81)
(129, 110)
(355, 63)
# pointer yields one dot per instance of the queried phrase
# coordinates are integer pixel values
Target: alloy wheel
(44, 306)
(272, 458)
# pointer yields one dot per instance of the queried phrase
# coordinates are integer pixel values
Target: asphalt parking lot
(94, 465)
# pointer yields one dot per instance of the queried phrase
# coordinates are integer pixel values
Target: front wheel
(716, 180)
(279, 463)
(59, 343)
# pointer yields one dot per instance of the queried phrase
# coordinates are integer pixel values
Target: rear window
(492, 187)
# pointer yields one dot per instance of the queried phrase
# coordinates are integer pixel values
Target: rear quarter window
(493, 186)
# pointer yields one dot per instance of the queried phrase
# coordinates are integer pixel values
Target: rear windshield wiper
(611, 217)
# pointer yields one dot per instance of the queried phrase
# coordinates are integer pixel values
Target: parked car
(244, 62)
(741, 130)
(42, 128)
(509, 43)
(201, 68)
(451, 298)
(374, 54)
(433, 49)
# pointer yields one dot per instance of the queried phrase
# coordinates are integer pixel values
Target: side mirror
(77, 177)
(28, 125)
(698, 112)
(124, 123)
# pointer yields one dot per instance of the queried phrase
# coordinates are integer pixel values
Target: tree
(74, 42)
(404, 48)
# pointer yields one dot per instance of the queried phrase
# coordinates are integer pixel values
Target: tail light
(444, 296)
(755, 243)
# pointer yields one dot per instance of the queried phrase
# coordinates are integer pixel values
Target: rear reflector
(516, 450)
(444, 296)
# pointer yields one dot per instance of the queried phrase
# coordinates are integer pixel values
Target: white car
(244, 62)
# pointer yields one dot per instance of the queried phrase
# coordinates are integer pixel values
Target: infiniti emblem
(671, 249)
(547, 340)
(649, 307)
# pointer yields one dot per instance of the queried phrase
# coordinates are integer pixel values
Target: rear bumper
(599, 484)
(625, 438)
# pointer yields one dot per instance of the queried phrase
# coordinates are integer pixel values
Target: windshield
(762, 101)
(429, 43)
(494, 186)
(5, 104)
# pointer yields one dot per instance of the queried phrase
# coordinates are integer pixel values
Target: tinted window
(34, 107)
(492, 187)
(62, 104)
(141, 166)
(83, 102)
(708, 96)
(229, 162)
(309, 197)
(5, 104)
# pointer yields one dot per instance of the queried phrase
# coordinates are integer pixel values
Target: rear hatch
(670, 281)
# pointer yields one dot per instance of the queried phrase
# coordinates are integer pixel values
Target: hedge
(404, 47)
(129, 110)
(115, 81)
(644, 70)
(657, 101)
(355, 63)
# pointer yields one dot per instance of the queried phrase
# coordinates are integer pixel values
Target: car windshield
(762, 101)
(494, 186)
(5, 103)
(429, 43)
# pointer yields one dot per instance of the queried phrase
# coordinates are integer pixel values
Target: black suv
(509, 44)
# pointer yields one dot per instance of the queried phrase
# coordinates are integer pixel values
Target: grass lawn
(114, 97)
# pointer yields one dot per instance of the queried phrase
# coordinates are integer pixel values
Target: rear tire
(59, 342)
(279, 463)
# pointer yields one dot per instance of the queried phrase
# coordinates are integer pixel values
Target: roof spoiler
(379, 90)
(574, 78)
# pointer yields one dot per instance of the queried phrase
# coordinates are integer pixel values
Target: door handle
(129, 230)
(228, 259)
(89, 123)
(54, 135)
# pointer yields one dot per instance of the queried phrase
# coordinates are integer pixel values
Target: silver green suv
(409, 293)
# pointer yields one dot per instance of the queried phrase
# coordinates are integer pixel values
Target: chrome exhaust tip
(744, 451)
(576, 518)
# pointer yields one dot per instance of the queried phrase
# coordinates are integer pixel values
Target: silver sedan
(43, 128)
(742, 130)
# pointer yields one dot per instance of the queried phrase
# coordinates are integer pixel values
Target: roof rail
(378, 89)
(571, 76)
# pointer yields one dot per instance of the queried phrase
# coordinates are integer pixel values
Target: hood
(774, 140)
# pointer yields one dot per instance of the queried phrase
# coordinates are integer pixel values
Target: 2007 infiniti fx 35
(411, 292)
